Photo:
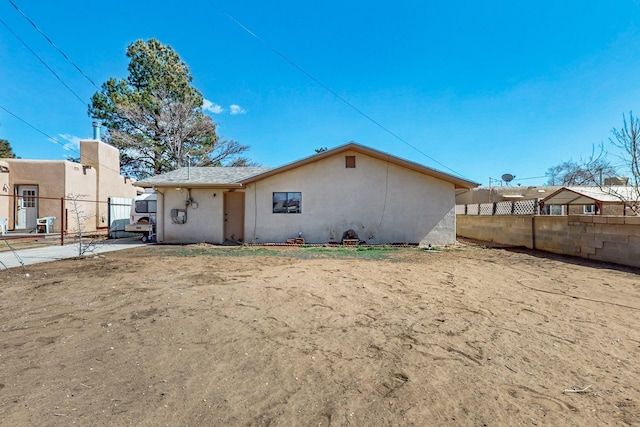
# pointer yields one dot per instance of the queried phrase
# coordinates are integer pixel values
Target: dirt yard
(204, 336)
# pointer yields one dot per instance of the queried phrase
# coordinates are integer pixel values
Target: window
(589, 209)
(555, 209)
(350, 161)
(29, 198)
(146, 206)
(287, 202)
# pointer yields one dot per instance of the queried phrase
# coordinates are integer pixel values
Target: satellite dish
(507, 177)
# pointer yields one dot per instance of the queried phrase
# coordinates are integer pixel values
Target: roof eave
(188, 184)
(459, 183)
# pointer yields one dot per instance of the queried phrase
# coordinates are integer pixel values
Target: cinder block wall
(503, 229)
(605, 238)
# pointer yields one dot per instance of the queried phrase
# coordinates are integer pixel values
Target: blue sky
(477, 89)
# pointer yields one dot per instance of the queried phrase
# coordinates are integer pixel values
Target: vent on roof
(350, 161)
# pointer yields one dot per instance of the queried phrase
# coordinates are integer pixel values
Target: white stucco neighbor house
(383, 198)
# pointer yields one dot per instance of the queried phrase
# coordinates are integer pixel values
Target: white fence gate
(119, 211)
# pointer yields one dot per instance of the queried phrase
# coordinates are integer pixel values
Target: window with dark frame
(287, 202)
(29, 198)
(145, 206)
(350, 161)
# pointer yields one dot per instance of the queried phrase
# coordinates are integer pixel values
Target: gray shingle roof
(203, 176)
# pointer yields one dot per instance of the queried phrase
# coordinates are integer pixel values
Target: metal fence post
(62, 222)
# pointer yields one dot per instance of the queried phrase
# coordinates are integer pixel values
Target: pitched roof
(589, 195)
(238, 176)
(202, 177)
(352, 146)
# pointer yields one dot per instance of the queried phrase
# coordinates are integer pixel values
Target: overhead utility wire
(37, 130)
(52, 138)
(325, 87)
(53, 44)
(43, 62)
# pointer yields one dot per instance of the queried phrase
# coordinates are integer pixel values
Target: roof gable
(239, 176)
(352, 146)
(590, 195)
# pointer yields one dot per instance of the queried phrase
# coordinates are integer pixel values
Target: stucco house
(503, 193)
(558, 200)
(32, 189)
(383, 198)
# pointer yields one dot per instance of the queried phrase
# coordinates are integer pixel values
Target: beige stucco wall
(605, 238)
(90, 182)
(204, 223)
(382, 202)
(105, 160)
(79, 186)
(5, 193)
(48, 176)
(56, 179)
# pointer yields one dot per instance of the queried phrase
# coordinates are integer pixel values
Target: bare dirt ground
(203, 336)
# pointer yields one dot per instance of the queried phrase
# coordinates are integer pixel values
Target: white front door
(27, 206)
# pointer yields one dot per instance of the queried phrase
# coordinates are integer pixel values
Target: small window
(589, 209)
(287, 202)
(350, 161)
(556, 209)
(146, 206)
(29, 198)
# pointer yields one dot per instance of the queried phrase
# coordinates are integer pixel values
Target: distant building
(32, 189)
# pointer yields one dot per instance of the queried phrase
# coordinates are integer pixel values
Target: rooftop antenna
(507, 177)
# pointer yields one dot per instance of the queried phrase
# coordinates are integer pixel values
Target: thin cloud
(236, 109)
(212, 107)
(72, 144)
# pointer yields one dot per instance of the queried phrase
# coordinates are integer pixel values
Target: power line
(325, 87)
(531, 177)
(42, 61)
(53, 44)
(36, 129)
(65, 146)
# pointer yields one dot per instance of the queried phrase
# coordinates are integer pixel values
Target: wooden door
(234, 216)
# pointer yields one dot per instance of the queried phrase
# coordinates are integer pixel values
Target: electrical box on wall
(178, 216)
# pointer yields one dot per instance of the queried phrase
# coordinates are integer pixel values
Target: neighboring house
(383, 198)
(557, 200)
(608, 200)
(502, 194)
(33, 189)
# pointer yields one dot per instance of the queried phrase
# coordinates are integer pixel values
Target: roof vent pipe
(96, 131)
(188, 167)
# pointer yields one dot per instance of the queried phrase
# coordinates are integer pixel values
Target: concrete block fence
(613, 239)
